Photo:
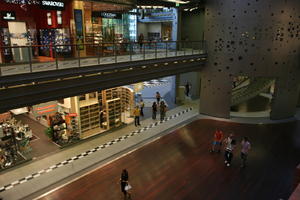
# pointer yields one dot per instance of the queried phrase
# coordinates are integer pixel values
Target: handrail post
(78, 54)
(166, 49)
(155, 50)
(30, 61)
(55, 54)
(192, 48)
(176, 44)
(98, 53)
(115, 51)
(144, 56)
(130, 50)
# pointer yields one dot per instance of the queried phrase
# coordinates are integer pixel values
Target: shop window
(49, 19)
(59, 17)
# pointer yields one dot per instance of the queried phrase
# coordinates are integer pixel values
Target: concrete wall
(142, 28)
(251, 38)
(194, 79)
(192, 25)
(154, 27)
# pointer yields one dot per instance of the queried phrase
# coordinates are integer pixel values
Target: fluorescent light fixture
(178, 1)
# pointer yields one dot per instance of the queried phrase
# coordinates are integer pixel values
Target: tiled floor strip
(86, 153)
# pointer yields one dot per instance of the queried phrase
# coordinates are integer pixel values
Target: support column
(298, 105)
(215, 96)
(285, 99)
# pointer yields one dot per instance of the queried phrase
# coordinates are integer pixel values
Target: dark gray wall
(194, 79)
(251, 38)
(192, 25)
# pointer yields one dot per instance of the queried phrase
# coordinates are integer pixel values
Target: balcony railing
(37, 58)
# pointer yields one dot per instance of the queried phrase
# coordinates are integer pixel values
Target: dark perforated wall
(252, 38)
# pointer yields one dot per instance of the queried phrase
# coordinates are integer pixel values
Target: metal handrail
(116, 50)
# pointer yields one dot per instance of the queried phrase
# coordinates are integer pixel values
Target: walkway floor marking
(89, 152)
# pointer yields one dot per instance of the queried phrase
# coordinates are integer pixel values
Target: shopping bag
(128, 187)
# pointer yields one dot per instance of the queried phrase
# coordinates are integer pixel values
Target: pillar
(284, 100)
(255, 39)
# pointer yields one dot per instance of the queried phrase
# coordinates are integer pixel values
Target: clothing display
(15, 142)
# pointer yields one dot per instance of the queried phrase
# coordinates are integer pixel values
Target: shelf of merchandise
(89, 117)
(113, 112)
(126, 95)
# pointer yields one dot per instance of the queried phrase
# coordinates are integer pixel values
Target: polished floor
(179, 166)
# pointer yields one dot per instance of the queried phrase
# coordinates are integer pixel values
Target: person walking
(136, 114)
(142, 105)
(229, 147)
(218, 137)
(154, 110)
(246, 146)
(140, 41)
(157, 96)
(187, 89)
(163, 110)
(124, 182)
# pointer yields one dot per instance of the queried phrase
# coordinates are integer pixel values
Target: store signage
(23, 2)
(45, 108)
(52, 5)
(8, 15)
(106, 15)
(72, 114)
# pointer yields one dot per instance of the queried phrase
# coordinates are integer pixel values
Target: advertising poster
(79, 29)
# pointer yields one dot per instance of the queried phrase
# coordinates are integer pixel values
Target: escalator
(253, 88)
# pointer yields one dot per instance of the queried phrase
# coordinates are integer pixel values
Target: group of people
(230, 144)
(157, 105)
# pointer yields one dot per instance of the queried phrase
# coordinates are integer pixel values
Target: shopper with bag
(125, 186)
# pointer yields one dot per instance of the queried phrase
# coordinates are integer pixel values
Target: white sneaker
(225, 161)
(228, 165)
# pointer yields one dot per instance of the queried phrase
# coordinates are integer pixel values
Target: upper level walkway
(36, 80)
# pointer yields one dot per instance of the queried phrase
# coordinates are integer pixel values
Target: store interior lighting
(150, 7)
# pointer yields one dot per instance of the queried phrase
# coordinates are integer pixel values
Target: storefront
(100, 22)
(64, 122)
(34, 22)
(54, 24)
(158, 24)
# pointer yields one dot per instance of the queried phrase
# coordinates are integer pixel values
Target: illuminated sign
(52, 5)
(45, 108)
(8, 16)
(106, 15)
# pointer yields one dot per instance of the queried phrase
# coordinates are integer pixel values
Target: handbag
(128, 187)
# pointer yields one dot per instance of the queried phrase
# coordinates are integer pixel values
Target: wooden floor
(179, 166)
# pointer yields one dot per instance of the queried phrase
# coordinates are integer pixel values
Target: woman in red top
(218, 137)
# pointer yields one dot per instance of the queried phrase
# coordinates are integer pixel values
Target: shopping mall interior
(149, 99)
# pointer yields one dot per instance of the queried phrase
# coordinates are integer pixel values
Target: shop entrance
(18, 32)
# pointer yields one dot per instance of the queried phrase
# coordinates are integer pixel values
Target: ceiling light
(178, 1)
